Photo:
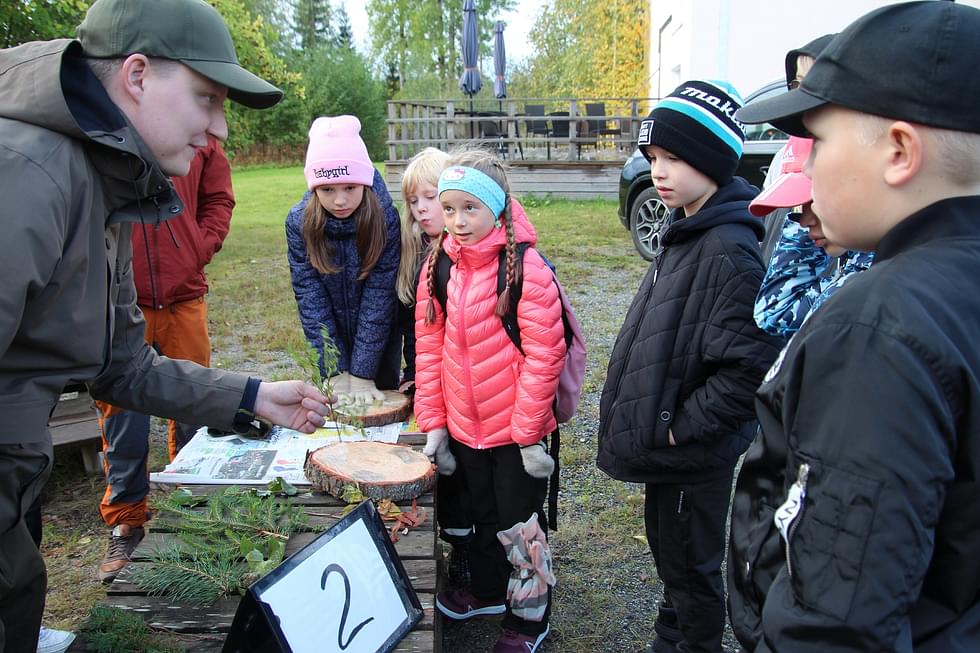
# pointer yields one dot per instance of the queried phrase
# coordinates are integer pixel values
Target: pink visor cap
(792, 187)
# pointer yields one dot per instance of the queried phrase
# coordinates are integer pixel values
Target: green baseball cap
(189, 31)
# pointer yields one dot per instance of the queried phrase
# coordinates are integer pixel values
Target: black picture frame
(257, 629)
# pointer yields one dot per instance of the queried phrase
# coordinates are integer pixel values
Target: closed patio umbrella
(499, 62)
(470, 82)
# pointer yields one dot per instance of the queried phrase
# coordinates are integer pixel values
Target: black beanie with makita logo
(697, 124)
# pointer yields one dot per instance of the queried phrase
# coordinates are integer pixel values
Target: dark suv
(640, 208)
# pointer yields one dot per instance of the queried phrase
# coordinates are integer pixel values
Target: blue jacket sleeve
(379, 301)
(792, 282)
(312, 300)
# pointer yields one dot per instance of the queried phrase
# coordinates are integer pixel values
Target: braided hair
(489, 164)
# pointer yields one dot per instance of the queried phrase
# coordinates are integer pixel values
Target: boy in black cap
(676, 409)
(855, 523)
(90, 131)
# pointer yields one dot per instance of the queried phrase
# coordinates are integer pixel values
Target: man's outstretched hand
(293, 404)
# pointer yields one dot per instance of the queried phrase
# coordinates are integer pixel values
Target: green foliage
(593, 48)
(109, 630)
(339, 81)
(420, 39)
(283, 124)
(308, 358)
(29, 20)
(312, 23)
(223, 548)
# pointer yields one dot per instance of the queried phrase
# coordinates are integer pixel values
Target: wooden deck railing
(596, 129)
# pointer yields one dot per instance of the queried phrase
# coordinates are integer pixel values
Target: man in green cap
(90, 131)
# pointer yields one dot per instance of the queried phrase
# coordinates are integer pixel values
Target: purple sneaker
(460, 604)
(514, 642)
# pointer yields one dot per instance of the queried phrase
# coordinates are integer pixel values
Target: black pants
(23, 579)
(501, 494)
(453, 510)
(685, 526)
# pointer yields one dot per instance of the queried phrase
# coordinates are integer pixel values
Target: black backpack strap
(510, 317)
(441, 281)
(553, 481)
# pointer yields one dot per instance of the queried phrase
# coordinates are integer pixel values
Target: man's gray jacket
(74, 177)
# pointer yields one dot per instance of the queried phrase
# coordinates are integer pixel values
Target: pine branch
(190, 577)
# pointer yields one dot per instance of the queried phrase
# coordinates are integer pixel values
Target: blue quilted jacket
(359, 315)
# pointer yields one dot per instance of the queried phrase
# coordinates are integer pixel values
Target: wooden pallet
(203, 630)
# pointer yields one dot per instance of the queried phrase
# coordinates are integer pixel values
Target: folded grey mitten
(437, 449)
(537, 461)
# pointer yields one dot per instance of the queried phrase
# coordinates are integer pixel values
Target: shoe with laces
(54, 641)
(123, 540)
(513, 642)
(460, 604)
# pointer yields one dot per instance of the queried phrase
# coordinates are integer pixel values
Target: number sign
(345, 592)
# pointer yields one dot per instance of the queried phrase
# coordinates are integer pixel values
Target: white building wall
(741, 41)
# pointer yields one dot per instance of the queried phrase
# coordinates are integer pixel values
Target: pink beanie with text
(336, 154)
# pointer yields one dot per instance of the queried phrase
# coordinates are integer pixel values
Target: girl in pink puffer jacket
(485, 406)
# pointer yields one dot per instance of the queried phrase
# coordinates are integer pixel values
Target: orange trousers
(178, 331)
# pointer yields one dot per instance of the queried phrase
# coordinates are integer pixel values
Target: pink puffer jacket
(469, 376)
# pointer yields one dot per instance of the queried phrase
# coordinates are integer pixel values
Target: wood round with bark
(380, 470)
(396, 407)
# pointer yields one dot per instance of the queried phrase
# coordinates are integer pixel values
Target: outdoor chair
(597, 127)
(537, 127)
(490, 130)
(559, 128)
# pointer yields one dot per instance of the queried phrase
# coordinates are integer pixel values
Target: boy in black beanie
(677, 407)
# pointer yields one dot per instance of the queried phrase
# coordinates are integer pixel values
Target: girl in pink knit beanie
(344, 249)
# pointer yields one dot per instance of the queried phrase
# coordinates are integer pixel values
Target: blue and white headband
(478, 184)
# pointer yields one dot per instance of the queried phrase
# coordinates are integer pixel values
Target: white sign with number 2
(341, 598)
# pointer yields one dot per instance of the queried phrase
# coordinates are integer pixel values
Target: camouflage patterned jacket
(799, 279)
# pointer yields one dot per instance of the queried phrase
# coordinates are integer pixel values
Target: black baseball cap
(811, 49)
(189, 31)
(914, 61)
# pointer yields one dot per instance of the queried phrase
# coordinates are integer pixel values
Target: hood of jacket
(488, 249)
(728, 205)
(48, 84)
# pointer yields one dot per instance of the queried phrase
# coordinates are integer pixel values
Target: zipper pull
(787, 516)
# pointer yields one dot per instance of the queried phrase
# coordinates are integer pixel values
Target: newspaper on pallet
(231, 459)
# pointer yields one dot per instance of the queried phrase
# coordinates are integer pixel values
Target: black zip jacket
(873, 413)
(689, 356)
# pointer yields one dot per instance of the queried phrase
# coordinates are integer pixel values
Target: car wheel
(649, 218)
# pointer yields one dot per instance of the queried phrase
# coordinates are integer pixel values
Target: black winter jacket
(873, 412)
(689, 356)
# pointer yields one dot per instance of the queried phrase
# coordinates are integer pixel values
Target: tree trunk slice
(378, 469)
(396, 407)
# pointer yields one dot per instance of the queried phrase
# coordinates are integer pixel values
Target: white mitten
(537, 461)
(437, 449)
(364, 391)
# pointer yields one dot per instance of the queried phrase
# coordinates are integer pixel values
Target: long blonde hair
(489, 164)
(424, 168)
